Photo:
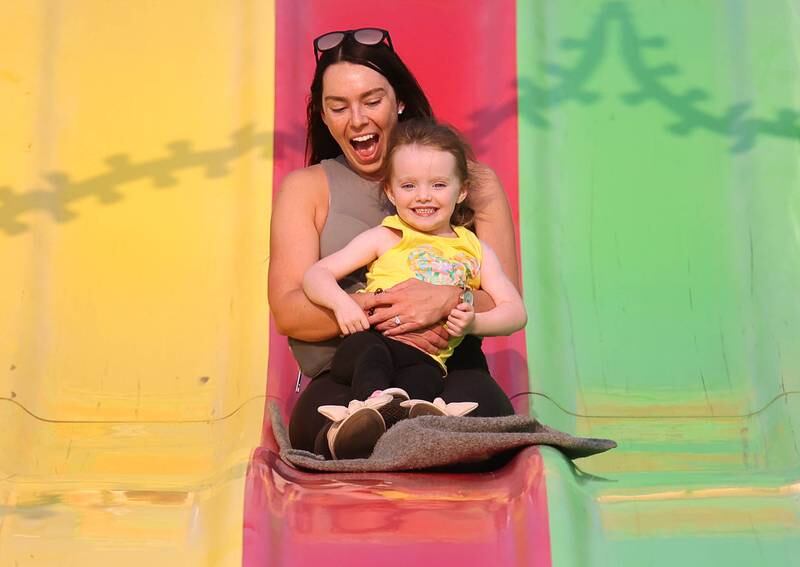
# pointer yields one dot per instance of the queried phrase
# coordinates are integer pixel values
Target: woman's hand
(432, 340)
(460, 320)
(416, 304)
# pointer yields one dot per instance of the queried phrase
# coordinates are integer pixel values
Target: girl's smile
(425, 188)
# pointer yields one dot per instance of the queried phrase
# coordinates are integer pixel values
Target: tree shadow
(60, 192)
(614, 26)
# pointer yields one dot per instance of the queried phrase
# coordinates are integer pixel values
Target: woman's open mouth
(365, 146)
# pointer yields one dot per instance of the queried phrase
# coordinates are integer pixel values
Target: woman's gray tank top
(356, 205)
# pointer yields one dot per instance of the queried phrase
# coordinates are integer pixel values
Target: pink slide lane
(492, 518)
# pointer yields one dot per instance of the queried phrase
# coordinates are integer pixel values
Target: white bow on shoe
(339, 413)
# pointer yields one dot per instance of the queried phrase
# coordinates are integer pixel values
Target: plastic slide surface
(135, 180)
(651, 153)
(659, 183)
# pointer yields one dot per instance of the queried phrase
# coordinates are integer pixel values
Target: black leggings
(468, 380)
(368, 361)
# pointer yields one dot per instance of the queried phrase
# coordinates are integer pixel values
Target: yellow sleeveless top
(441, 260)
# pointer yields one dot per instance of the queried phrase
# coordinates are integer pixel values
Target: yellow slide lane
(135, 189)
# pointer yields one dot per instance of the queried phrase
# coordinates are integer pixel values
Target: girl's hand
(350, 317)
(461, 320)
(415, 303)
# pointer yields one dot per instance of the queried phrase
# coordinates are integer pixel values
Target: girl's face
(425, 188)
(360, 109)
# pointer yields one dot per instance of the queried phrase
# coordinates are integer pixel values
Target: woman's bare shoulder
(303, 187)
(481, 171)
(485, 186)
(306, 190)
(308, 181)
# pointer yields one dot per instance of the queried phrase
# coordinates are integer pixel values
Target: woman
(360, 90)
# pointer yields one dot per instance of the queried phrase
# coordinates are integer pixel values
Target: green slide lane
(660, 220)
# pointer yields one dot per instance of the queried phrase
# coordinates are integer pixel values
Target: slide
(651, 153)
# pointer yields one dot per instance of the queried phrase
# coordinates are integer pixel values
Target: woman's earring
(400, 111)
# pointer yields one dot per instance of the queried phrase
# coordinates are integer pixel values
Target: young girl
(426, 179)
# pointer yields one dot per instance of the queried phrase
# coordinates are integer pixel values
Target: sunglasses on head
(364, 36)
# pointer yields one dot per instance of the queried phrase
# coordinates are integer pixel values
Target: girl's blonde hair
(431, 134)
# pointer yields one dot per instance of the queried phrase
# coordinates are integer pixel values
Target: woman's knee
(477, 386)
(306, 422)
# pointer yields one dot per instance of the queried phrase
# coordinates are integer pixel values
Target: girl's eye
(439, 185)
(407, 186)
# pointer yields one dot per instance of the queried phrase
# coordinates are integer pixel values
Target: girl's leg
(363, 362)
(422, 381)
(417, 373)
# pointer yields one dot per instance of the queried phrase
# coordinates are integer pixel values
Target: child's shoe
(393, 411)
(438, 406)
(356, 427)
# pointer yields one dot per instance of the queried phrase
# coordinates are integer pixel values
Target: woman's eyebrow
(373, 92)
(369, 93)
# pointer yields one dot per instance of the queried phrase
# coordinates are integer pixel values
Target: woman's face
(360, 109)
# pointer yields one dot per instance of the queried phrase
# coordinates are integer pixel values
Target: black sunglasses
(364, 36)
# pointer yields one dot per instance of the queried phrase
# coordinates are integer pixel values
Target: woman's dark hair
(381, 58)
(431, 134)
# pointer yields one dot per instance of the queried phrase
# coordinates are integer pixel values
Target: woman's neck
(364, 175)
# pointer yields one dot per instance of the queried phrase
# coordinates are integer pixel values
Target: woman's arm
(509, 313)
(494, 223)
(320, 282)
(298, 215)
